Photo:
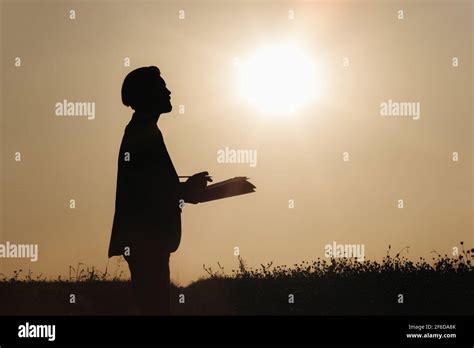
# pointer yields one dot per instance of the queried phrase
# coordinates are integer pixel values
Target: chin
(166, 109)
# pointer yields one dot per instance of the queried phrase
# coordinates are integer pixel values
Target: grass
(321, 287)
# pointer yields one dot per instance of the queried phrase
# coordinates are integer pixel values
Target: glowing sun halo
(278, 79)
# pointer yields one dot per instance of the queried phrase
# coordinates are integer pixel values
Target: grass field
(445, 285)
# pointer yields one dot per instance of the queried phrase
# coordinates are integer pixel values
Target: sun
(278, 79)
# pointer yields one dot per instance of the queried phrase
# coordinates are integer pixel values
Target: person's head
(144, 90)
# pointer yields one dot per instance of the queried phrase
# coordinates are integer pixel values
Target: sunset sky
(357, 54)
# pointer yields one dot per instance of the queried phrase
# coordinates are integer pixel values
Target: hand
(194, 184)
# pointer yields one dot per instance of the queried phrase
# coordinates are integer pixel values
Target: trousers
(150, 275)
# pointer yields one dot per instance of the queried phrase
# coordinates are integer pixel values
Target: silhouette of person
(147, 220)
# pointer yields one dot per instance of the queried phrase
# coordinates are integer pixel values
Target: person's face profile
(162, 95)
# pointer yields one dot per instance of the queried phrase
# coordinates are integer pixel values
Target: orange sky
(299, 157)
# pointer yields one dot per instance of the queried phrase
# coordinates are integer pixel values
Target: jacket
(147, 209)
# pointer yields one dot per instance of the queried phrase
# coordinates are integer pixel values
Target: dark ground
(337, 287)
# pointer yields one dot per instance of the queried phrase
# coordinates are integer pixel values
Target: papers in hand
(227, 188)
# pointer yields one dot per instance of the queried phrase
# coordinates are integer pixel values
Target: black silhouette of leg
(150, 281)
